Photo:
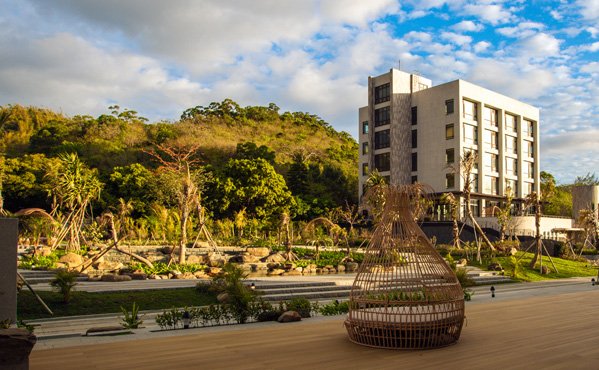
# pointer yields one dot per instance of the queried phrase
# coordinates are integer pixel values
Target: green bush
(334, 308)
(462, 275)
(131, 320)
(64, 281)
(39, 262)
(301, 305)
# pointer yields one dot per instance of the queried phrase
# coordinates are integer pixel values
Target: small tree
(452, 202)
(504, 213)
(64, 281)
(238, 295)
(375, 189)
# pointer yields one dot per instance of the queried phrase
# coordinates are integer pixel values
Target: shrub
(240, 297)
(462, 275)
(64, 281)
(131, 320)
(301, 305)
(269, 315)
(334, 308)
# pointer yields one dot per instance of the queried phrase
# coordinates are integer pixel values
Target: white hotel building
(412, 131)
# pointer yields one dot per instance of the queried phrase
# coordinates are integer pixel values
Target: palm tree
(451, 200)
(374, 194)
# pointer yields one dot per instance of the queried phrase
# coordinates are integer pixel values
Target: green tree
(249, 150)
(253, 185)
(133, 182)
(588, 179)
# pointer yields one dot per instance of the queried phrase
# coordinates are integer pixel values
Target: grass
(86, 303)
(566, 268)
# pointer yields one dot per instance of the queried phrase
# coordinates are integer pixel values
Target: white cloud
(491, 13)
(556, 15)
(523, 29)
(467, 26)
(592, 31)
(591, 47)
(456, 38)
(539, 45)
(589, 9)
(481, 46)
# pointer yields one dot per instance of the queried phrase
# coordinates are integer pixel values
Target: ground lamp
(253, 286)
(593, 281)
(492, 292)
(186, 318)
(404, 296)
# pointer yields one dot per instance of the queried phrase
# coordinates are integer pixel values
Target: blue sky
(161, 57)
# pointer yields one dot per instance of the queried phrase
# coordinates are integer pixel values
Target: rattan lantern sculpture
(405, 296)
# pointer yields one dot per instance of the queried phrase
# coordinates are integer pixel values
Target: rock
(71, 259)
(223, 297)
(194, 260)
(175, 272)
(289, 316)
(495, 266)
(215, 260)
(109, 266)
(300, 269)
(293, 273)
(60, 265)
(166, 250)
(154, 277)
(544, 270)
(200, 275)
(276, 272)
(340, 268)
(138, 276)
(513, 251)
(185, 276)
(15, 347)
(328, 267)
(462, 263)
(275, 258)
(45, 251)
(318, 270)
(236, 259)
(248, 258)
(351, 267)
(115, 278)
(259, 252)
(214, 271)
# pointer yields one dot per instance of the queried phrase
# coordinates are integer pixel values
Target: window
(414, 115)
(382, 117)
(470, 134)
(449, 133)
(528, 149)
(511, 145)
(528, 128)
(513, 186)
(491, 162)
(511, 166)
(414, 138)
(382, 162)
(364, 148)
(449, 156)
(475, 207)
(382, 139)
(365, 169)
(449, 106)
(510, 123)
(414, 179)
(449, 180)
(382, 93)
(490, 116)
(414, 161)
(470, 110)
(491, 185)
(365, 127)
(490, 138)
(474, 183)
(528, 170)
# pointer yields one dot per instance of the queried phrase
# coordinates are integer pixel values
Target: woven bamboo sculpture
(405, 296)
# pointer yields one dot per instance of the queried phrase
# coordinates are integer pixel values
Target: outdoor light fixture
(492, 292)
(186, 320)
(253, 286)
(593, 281)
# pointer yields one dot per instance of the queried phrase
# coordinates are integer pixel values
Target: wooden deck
(550, 332)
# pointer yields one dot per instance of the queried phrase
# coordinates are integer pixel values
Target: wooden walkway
(551, 332)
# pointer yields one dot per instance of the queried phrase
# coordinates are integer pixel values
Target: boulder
(275, 258)
(495, 266)
(71, 259)
(115, 278)
(109, 266)
(45, 251)
(138, 276)
(175, 272)
(15, 347)
(200, 275)
(185, 276)
(351, 267)
(215, 259)
(248, 258)
(341, 268)
(259, 252)
(293, 273)
(223, 297)
(194, 260)
(276, 272)
(513, 251)
(462, 262)
(238, 258)
(214, 271)
(289, 316)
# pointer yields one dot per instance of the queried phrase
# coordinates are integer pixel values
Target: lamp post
(492, 292)
(186, 319)
(593, 281)
(253, 286)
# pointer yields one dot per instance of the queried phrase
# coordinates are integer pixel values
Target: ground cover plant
(87, 303)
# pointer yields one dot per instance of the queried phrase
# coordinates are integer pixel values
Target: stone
(351, 267)
(71, 259)
(276, 272)
(223, 297)
(215, 260)
(513, 251)
(259, 252)
(544, 270)
(293, 273)
(236, 259)
(340, 268)
(462, 262)
(139, 276)
(15, 347)
(214, 271)
(109, 266)
(300, 269)
(495, 266)
(185, 276)
(275, 258)
(200, 275)
(45, 251)
(289, 316)
(176, 272)
(248, 258)
(60, 265)
(318, 270)
(115, 278)
(194, 260)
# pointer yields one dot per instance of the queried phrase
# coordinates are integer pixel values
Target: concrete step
(311, 296)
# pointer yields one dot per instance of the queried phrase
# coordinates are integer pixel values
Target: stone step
(311, 296)
(488, 280)
(268, 286)
(308, 289)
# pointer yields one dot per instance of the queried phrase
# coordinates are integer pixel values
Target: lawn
(566, 268)
(86, 303)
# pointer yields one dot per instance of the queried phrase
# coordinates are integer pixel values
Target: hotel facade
(412, 132)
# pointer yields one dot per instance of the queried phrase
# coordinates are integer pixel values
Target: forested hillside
(253, 162)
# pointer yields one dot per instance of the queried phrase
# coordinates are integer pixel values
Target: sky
(161, 57)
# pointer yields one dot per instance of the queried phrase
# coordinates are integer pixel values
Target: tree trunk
(539, 245)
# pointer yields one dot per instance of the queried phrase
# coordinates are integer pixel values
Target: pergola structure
(405, 296)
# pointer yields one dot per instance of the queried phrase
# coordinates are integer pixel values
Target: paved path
(551, 327)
